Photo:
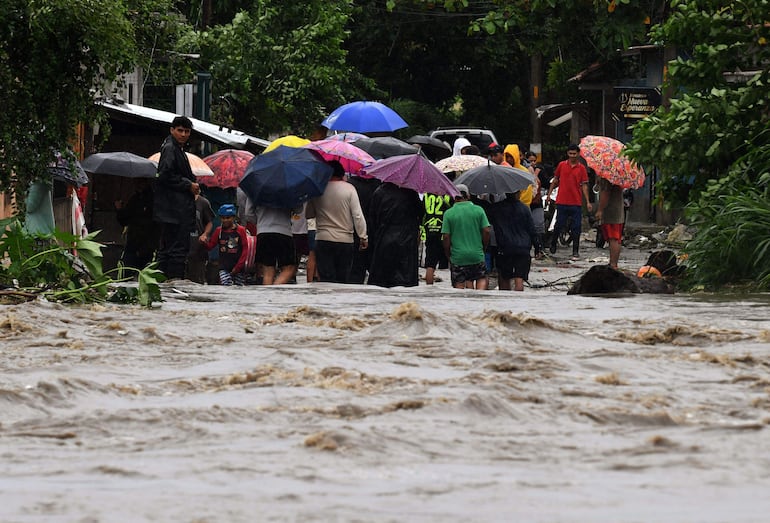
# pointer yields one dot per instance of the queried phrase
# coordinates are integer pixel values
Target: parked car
(479, 137)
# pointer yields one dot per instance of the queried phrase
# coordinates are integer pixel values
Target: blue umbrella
(364, 117)
(285, 177)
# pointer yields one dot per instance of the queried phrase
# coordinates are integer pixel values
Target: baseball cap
(494, 148)
(463, 190)
(227, 209)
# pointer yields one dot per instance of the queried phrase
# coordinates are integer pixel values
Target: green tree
(559, 38)
(158, 26)
(278, 66)
(712, 144)
(719, 108)
(54, 54)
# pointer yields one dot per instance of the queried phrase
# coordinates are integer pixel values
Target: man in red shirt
(571, 178)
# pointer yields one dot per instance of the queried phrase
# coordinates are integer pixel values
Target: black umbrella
(495, 179)
(385, 146)
(68, 170)
(121, 163)
(434, 148)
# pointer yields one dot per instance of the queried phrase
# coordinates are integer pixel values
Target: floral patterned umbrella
(228, 166)
(68, 170)
(604, 155)
(461, 163)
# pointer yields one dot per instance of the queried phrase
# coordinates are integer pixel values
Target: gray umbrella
(495, 179)
(120, 163)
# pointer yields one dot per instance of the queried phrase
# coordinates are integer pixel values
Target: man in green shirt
(466, 236)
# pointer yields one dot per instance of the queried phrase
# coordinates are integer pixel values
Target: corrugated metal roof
(212, 132)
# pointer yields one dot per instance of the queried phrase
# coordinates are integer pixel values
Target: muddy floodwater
(352, 403)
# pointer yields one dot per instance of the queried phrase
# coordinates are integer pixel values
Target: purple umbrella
(412, 171)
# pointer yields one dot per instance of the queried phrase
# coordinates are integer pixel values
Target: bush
(44, 265)
(732, 245)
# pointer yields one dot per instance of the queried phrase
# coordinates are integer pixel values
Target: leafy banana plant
(65, 267)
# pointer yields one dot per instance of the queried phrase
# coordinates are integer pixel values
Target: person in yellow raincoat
(513, 157)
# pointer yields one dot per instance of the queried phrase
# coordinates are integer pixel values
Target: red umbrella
(228, 166)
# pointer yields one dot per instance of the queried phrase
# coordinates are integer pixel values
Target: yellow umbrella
(198, 166)
(288, 141)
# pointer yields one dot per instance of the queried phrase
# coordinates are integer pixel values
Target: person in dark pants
(516, 234)
(571, 177)
(174, 202)
(198, 258)
(141, 231)
(394, 229)
(338, 214)
(365, 188)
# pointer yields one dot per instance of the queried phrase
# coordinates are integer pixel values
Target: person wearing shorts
(276, 255)
(609, 212)
(300, 232)
(435, 207)
(515, 232)
(512, 266)
(466, 235)
(469, 276)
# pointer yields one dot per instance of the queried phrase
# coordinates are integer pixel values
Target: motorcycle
(549, 211)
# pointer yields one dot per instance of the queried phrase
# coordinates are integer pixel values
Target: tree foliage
(278, 66)
(732, 214)
(425, 57)
(46, 266)
(716, 116)
(54, 55)
(158, 27)
(568, 36)
(712, 144)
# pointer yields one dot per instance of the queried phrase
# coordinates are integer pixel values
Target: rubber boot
(554, 239)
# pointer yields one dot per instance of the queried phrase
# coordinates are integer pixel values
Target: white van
(481, 138)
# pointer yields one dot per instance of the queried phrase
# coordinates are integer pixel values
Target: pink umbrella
(412, 171)
(351, 157)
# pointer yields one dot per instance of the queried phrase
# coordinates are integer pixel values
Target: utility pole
(535, 74)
